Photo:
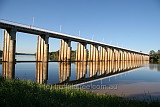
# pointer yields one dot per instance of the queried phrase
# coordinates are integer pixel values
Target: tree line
(154, 56)
(1, 53)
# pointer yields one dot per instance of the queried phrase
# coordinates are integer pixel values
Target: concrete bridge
(98, 51)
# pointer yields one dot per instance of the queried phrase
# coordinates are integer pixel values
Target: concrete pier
(81, 53)
(42, 48)
(9, 45)
(65, 50)
(93, 53)
(103, 54)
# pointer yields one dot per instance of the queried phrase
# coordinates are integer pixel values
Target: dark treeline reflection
(85, 71)
(154, 67)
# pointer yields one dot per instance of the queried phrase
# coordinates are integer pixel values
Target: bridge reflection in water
(85, 71)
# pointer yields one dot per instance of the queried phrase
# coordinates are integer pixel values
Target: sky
(132, 24)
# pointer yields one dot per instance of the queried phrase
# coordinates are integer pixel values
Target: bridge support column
(109, 54)
(9, 45)
(117, 55)
(122, 56)
(94, 54)
(81, 53)
(126, 56)
(42, 48)
(65, 50)
(103, 54)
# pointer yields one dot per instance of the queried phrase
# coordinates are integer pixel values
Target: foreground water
(128, 79)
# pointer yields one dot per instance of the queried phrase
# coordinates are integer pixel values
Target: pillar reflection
(41, 72)
(64, 71)
(112, 67)
(81, 69)
(8, 70)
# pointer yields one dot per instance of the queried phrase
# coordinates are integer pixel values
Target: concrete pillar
(94, 54)
(123, 56)
(81, 53)
(115, 54)
(42, 48)
(126, 56)
(118, 55)
(9, 45)
(109, 54)
(120, 52)
(103, 54)
(65, 50)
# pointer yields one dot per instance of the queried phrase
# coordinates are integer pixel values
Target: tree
(152, 52)
(158, 54)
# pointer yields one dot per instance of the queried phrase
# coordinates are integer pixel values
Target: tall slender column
(117, 55)
(120, 51)
(103, 54)
(109, 53)
(9, 46)
(42, 48)
(65, 50)
(94, 54)
(81, 53)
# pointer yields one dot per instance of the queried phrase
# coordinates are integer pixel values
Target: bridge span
(98, 51)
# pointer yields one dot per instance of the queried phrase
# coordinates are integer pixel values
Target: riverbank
(26, 93)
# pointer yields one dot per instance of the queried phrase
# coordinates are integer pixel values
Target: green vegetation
(155, 56)
(54, 55)
(18, 93)
(0, 53)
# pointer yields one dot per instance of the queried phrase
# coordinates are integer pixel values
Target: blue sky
(133, 24)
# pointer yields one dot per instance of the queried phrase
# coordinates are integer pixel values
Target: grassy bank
(20, 93)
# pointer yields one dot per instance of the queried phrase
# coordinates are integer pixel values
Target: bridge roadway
(11, 28)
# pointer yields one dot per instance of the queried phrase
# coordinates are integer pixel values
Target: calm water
(127, 79)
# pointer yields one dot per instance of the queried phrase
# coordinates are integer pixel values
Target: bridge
(98, 51)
